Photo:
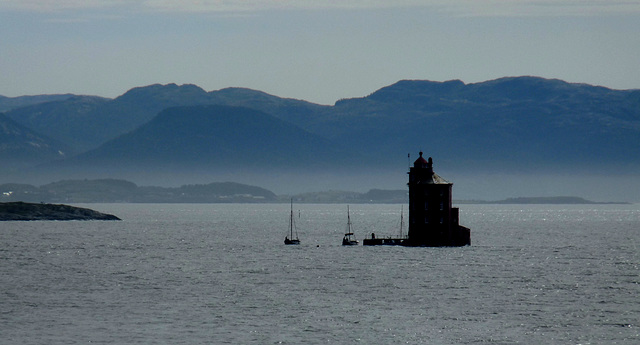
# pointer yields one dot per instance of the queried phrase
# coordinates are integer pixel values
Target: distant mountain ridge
(524, 120)
(85, 122)
(8, 103)
(508, 125)
(500, 119)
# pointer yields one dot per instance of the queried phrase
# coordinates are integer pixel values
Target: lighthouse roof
(420, 162)
(436, 179)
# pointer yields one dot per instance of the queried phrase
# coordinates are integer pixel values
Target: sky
(319, 51)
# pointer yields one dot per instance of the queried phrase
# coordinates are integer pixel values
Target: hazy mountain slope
(298, 112)
(21, 147)
(215, 137)
(509, 126)
(508, 123)
(513, 122)
(69, 121)
(86, 122)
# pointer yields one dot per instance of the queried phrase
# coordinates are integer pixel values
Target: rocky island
(32, 211)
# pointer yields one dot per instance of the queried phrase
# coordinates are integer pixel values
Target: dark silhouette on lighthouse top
(432, 220)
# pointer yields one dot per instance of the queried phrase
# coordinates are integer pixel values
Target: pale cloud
(454, 7)
(528, 8)
(256, 5)
(486, 8)
(58, 5)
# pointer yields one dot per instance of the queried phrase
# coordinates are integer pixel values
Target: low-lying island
(31, 211)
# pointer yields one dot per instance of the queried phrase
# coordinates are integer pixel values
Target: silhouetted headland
(30, 211)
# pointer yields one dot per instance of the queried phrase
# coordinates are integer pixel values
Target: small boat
(349, 238)
(289, 239)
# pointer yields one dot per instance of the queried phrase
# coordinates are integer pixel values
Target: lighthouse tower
(432, 220)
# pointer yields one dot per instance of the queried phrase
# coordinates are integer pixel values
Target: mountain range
(509, 133)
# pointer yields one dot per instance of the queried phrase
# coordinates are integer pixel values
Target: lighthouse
(433, 222)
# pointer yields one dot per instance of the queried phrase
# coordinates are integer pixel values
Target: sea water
(220, 274)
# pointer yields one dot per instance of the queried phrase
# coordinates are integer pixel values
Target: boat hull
(348, 242)
(288, 241)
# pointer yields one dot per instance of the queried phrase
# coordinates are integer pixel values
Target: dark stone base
(460, 238)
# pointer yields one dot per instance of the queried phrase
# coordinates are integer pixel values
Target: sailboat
(289, 239)
(349, 238)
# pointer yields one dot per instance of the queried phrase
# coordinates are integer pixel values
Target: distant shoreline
(553, 200)
(122, 191)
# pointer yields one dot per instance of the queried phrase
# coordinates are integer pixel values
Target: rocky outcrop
(30, 211)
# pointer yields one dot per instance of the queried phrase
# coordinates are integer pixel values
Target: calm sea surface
(220, 274)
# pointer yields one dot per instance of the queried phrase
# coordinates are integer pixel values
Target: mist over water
(219, 273)
(468, 185)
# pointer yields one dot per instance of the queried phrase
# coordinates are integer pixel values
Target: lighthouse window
(441, 206)
(441, 220)
(426, 220)
(426, 205)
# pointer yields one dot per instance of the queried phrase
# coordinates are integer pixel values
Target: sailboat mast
(291, 220)
(290, 239)
(401, 219)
